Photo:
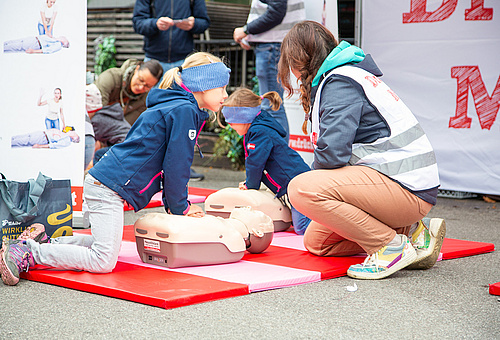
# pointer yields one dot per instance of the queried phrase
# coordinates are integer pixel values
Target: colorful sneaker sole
(8, 277)
(408, 259)
(426, 258)
(35, 232)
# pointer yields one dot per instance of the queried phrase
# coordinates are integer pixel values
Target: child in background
(156, 155)
(268, 158)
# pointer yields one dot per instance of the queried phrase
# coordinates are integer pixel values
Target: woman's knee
(313, 247)
(296, 189)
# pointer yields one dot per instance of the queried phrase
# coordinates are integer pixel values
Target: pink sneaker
(35, 232)
(14, 259)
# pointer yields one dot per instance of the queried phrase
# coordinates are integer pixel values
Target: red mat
(167, 288)
(495, 289)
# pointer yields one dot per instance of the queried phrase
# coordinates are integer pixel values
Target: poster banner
(43, 90)
(441, 58)
(324, 12)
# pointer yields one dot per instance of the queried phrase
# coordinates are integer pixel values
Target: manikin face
(212, 99)
(142, 81)
(241, 129)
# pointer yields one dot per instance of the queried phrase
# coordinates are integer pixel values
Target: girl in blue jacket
(156, 155)
(268, 158)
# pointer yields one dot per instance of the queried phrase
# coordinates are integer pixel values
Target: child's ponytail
(170, 77)
(274, 99)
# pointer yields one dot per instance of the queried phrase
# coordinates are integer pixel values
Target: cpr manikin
(181, 241)
(224, 201)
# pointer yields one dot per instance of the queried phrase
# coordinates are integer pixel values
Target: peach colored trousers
(353, 209)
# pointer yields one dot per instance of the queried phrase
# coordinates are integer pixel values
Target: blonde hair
(195, 59)
(243, 97)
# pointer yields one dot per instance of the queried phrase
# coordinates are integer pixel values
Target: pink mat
(258, 276)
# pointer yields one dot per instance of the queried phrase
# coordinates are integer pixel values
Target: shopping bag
(43, 200)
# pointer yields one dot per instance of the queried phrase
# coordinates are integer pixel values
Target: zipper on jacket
(273, 182)
(196, 143)
(150, 183)
(170, 33)
(245, 146)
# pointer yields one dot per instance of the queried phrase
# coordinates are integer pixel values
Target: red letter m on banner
(486, 106)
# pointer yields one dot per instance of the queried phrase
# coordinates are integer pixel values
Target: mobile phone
(177, 21)
(245, 42)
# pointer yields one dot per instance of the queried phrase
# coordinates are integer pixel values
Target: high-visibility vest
(406, 155)
(295, 13)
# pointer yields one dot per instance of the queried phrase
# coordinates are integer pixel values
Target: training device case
(224, 201)
(180, 241)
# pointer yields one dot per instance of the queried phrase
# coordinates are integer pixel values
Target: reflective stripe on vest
(406, 155)
(295, 12)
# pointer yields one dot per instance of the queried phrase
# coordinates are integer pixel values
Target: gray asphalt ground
(448, 301)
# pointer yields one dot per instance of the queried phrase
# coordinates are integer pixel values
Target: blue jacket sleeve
(340, 108)
(143, 20)
(276, 11)
(201, 18)
(178, 158)
(256, 160)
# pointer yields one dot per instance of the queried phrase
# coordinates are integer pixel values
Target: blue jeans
(267, 56)
(89, 150)
(52, 124)
(299, 221)
(41, 29)
(96, 253)
(166, 66)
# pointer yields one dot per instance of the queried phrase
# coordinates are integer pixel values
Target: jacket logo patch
(314, 138)
(192, 134)
(250, 146)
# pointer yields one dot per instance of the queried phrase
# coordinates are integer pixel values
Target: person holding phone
(168, 28)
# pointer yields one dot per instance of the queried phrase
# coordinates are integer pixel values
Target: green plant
(104, 54)
(255, 86)
(230, 145)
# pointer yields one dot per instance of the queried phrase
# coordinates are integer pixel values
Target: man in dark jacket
(168, 27)
(268, 23)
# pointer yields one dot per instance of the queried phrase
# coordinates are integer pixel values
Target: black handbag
(43, 200)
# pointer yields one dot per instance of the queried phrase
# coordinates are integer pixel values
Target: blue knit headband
(205, 77)
(240, 115)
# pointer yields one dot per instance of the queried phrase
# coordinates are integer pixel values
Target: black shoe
(194, 176)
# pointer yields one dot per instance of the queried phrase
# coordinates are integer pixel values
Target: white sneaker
(384, 262)
(427, 241)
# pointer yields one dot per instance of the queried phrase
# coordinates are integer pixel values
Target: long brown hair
(304, 48)
(243, 97)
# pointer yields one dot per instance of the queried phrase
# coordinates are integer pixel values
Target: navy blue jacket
(173, 44)
(266, 149)
(158, 151)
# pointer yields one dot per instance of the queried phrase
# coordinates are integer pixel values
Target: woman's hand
(242, 186)
(195, 211)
